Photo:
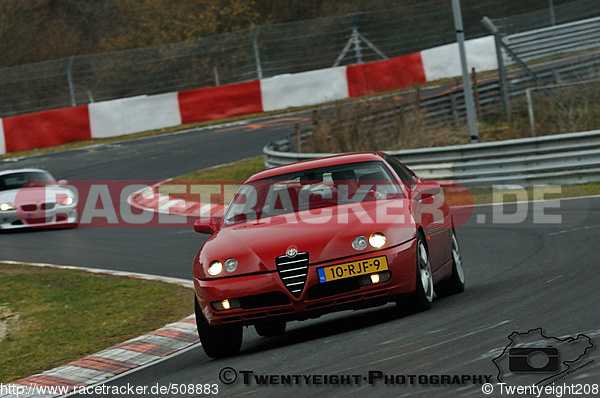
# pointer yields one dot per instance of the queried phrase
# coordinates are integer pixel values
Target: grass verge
(236, 171)
(241, 170)
(49, 317)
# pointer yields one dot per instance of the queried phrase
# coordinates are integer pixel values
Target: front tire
(217, 341)
(422, 297)
(456, 283)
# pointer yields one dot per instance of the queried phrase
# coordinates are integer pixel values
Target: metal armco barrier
(565, 38)
(556, 159)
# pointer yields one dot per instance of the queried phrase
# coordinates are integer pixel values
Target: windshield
(312, 189)
(17, 180)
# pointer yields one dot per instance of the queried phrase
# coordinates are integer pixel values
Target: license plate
(354, 268)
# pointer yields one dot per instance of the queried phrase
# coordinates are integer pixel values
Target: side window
(405, 175)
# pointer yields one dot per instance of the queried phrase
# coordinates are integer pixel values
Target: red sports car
(331, 234)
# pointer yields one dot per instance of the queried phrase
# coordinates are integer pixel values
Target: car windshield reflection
(312, 189)
(18, 180)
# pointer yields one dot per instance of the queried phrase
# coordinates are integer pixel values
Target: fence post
(315, 118)
(356, 37)
(556, 75)
(256, 53)
(475, 92)
(501, 71)
(417, 107)
(298, 138)
(216, 73)
(469, 102)
(530, 110)
(454, 110)
(70, 80)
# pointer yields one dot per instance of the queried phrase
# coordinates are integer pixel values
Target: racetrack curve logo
(533, 358)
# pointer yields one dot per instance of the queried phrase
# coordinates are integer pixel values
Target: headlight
(231, 264)
(6, 206)
(67, 201)
(359, 243)
(377, 240)
(215, 268)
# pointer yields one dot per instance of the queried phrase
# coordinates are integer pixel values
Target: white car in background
(33, 198)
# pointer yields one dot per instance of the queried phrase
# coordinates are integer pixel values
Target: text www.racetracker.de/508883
(127, 389)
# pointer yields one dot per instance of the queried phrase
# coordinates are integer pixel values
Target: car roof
(319, 162)
(3, 172)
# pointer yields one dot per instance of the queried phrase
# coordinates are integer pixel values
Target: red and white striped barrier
(306, 88)
(444, 61)
(142, 113)
(220, 102)
(135, 114)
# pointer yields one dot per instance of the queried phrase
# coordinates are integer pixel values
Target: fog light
(374, 278)
(226, 304)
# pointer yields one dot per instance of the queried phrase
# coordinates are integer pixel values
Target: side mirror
(62, 182)
(206, 226)
(426, 190)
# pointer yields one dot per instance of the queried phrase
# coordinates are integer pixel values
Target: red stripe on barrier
(219, 102)
(48, 128)
(380, 76)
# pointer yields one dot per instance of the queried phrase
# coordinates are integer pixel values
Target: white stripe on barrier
(306, 88)
(2, 142)
(134, 115)
(444, 61)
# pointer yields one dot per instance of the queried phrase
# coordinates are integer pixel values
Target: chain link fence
(244, 55)
(560, 14)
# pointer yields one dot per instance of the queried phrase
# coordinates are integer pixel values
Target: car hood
(326, 236)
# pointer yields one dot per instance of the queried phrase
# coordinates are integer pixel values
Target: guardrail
(557, 159)
(565, 38)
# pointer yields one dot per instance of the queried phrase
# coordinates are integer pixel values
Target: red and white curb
(150, 199)
(114, 361)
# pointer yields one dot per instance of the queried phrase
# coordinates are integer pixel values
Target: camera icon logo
(533, 360)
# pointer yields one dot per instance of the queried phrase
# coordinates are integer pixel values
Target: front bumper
(264, 296)
(59, 216)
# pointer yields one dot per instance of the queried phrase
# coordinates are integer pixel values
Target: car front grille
(293, 271)
(47, 206)
(31, 207)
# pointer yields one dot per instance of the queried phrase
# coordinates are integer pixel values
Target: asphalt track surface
(520, 276)
(161, 251)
